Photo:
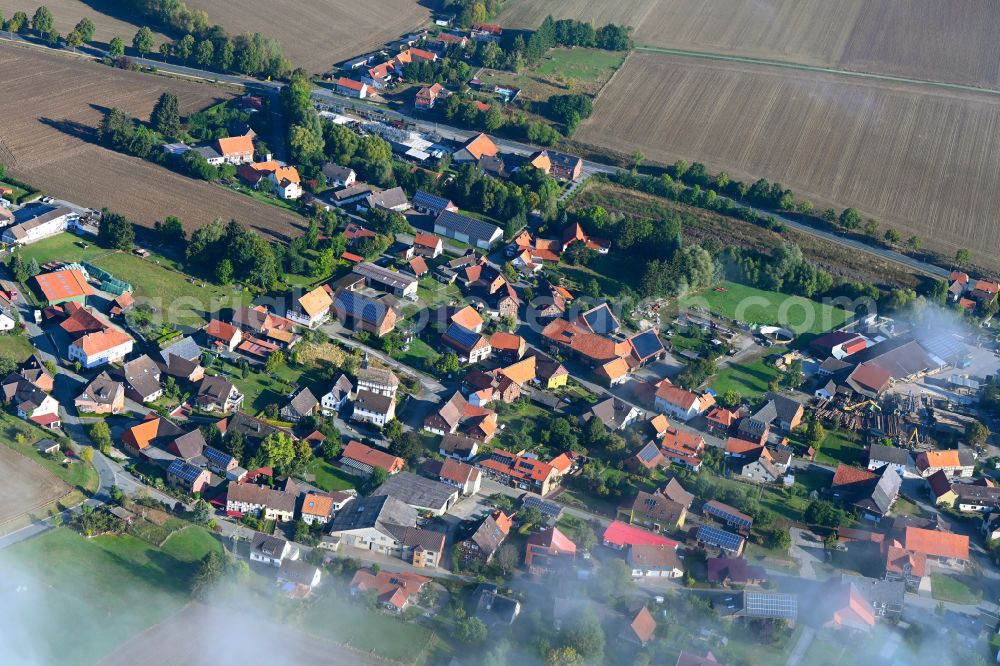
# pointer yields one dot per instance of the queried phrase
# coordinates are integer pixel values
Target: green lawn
(757, 306)
(434, 294)
(79, 475)
(418, 355)
(260, 388)
(750, 380)
(841, 446)
(191, 544)
(579, 63)
(86, 597)
(17, 347)
(949, 588)
(523, 417)
(335, 618)
(63, 247)
(330, 478)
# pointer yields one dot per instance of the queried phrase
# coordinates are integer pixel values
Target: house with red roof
(221, 334)
(352, 88)
(619, 535)
(677, 402)
(548, 551)
(394, 590)
(365, 459)
(524, 472)
(641, 629)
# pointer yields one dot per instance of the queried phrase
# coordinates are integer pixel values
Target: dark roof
(458, 443)
(373, 402)
(250, 427)
(303, 401)
(675, 491)
(184, 470)
(360, 307)
(267, 544)
(184, 347)
(611, 412)
(889, 454)
(374, 512)
(771, 605)
(719, 537)
(189, 445)
(335, 171)
(217, 457)
(601, 320)
(736, 570)
(424, 200)
(417, 491)
(462, 337)
(215, 388)
(778, 407)
(467, 225)
(143, 375)
(646, 344)
(102, 390)
(550, 509)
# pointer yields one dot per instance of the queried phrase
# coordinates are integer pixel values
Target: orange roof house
(521, 372)
(476, 148)
(932, 543)
(953, 462)
(62, 286)
(393, 589)
(660, 425)
(316, 303)
(224, 334)
(511, 347)
(239, 148)
(468, 318)
(614, 371)
(541, 161)
(643, 627)
(366, 458)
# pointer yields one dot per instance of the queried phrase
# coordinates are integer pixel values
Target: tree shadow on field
(73, 128)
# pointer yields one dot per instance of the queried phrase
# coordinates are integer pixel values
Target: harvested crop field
(67, 13)
(27, 485)
(921, 39)
(919, 159)
(317, 34)
(50, 107)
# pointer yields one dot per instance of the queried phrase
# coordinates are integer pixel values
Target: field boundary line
(708, 55)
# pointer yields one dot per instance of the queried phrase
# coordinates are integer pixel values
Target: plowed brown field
(48, 110)
(955, 42)
(923, 160)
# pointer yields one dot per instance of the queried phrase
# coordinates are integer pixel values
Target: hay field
(67, 13)
(919, 159)
(27, 485)
(49, 108)
(319, 33)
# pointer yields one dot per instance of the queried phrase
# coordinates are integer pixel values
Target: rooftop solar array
(547, 508)
(771, 605)
(727, 513)
(720, 538)
(359, 306)
(647, 344)
(462, 335)
(469, 226)
(648, 453)
(601, 320)
(184, 470)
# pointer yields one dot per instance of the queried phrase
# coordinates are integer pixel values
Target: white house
(655, 561)
(373, 408)
(37, 406)
(334, 400)
(895, 458)
(677, 402)
(287, 183)
(48, 223)
(311, 309)
(95, 349)
(6, 322)
(271, 550)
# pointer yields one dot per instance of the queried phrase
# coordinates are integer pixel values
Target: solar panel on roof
(721, 538)
(462, 335)
(601, 320)
(770, 605)
(647, 344)
(184, 470)
(648, 453)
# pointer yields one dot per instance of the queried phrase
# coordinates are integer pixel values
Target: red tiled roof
(739, 446)
(554, 540)
(350, 84)
(675, 395)
(372, 457)
(221, 330)
(61, 285)
(621, 534)
(936, 544)
(644, 626)
(847, 475)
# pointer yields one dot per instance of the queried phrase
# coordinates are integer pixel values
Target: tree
(115, 231)
(850, 218)
(447, 364)
(471, 630)
(170, 231)
(376, 479)
(871, 227)
(204, 53)
(915, 243)
(508, 557)
(85, 28)
(393, 430)
(18, 22)
(224, 275)
(100, 433)
(116, 48)
(815, 434)
(976, 433)
(585, 635)
(185, 47)
(962, 258)
(822, 512)
(210, 571)
(638, 158)
(143, 41)
(891, 236)
(202, 512)
(42, 22)
(274, 361)
(278, 450)
(74, 40)
(166, 116)
(563, 656)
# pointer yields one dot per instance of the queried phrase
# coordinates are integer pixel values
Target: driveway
(806, 549)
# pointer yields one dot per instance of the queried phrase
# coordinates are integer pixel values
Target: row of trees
(230, 252)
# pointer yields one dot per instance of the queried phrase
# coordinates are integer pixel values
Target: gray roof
(380, 376)
(297, 571)
(267, 544)
(385, 276)
(418, 491)
(889, 454)
(250, 427)
(184, 347)
(612, 412)
(777, 407)
(263, 496)
(215, 389)
(373, 402)
(102, 390)
(303, 402)
(342, 387)
(208, 152)
(459, 444)
(881, 593)
(335, 171)
(376, 512)
(143, 375)
(488, 536)
(389, 199)
(190, 444)
(469, 226)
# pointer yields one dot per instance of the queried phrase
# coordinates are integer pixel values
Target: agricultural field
(907, 155)
(192, 633)
(78, 599)
(315, 35)
(27, 485)
(108, 22)
(51, 107)
(920, 39)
